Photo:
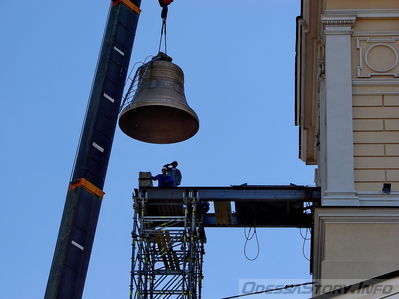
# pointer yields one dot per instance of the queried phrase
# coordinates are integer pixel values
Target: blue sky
(238, 59)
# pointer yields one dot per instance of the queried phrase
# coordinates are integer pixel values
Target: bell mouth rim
(160, 142)
(161, 104)
(191, 127)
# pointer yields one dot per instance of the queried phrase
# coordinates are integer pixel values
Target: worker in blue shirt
(164, 181)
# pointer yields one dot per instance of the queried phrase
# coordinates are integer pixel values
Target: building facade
(347, 110)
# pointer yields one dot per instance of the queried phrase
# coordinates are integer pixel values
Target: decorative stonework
(378, 56)
(337, 25)
(380, 49)
(337, 20)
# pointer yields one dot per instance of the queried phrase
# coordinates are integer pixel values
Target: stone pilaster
(337, 118)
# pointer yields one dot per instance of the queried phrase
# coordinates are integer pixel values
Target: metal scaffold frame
(168, 247)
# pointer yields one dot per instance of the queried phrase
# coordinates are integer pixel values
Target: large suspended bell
(159, 112)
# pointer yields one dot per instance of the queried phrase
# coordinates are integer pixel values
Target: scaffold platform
(240, 206)
(169, 229)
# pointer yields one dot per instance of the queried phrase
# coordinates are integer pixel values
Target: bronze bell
(159, 112)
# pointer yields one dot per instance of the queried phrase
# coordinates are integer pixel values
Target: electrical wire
(248, 237)
(303, 245)
(305, 237)
(390, 295)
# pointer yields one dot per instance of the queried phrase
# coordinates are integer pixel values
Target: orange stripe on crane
(88, 186)
(129, 4)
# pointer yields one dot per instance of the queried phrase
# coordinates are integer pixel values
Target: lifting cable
(142, 69)
(164, 14)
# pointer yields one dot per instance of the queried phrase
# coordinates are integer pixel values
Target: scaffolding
(168, 229)
(168, 247)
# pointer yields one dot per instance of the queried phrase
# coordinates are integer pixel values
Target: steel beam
(238, 193)
(261, 206)
(237, 221)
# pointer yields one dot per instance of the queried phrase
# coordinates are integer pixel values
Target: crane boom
(84, 196)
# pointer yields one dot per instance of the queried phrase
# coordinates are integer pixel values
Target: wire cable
(248, 237)
(164, 15)
(163, 34)
(305, 238)
(390, 295)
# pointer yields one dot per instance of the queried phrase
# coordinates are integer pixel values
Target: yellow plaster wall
(376, 141)
(375, 107)
(376, 25)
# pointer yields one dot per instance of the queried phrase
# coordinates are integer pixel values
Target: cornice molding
(375, 81)
(376, 214)
(365, 13)
(375, 93)
(374, 33)
(337, 25)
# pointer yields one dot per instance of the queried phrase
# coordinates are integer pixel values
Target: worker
(174, 173)
(203, 207)
(164, 180)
